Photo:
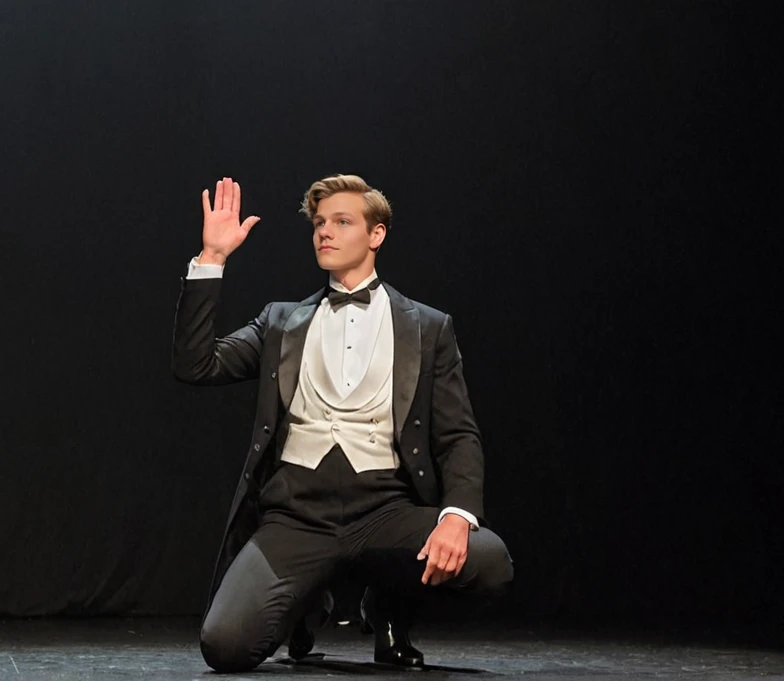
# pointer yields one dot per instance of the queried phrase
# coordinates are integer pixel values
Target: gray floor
(166, 649)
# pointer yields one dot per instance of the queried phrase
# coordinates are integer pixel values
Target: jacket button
(257, 446)
(266, 429)
(274, 374)
(247, 476)
(421, 473)
(415, 451)
(417, 423)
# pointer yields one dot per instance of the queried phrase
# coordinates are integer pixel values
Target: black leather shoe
(392, 643)
(301, 641)
(302, 638)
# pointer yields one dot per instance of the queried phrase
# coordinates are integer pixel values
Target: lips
(326, 248)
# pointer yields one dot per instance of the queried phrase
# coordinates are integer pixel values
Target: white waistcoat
(361, 422)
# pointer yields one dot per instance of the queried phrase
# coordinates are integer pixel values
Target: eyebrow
(340, 212)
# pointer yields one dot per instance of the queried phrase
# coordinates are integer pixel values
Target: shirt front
(349, 334)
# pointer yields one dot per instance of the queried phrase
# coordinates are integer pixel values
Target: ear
(377, 236)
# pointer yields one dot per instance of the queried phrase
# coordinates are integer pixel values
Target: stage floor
(166, 649)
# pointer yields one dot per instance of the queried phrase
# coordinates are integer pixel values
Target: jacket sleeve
(197, 356)
(455, 439)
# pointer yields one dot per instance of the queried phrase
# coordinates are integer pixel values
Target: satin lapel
(292, 345)
(408, 356)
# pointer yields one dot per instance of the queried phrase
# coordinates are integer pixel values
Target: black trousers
(315, 524)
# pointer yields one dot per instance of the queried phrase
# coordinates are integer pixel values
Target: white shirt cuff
(197, 271)
(463, 514)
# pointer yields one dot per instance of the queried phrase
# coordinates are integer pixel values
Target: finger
(205, 201)
(444, 561)
(219, 195)
(425, 550)
(235, 198)
(441, 557)
(432, 564)
(249, 223)
(440, 577)
(226, 194)
(451, 564)
(434, 559)
(228, 191)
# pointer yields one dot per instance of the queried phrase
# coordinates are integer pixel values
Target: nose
(325, 231)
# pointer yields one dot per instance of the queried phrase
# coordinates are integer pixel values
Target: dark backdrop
(586, 187)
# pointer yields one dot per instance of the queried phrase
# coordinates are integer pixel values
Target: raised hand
(222, 232)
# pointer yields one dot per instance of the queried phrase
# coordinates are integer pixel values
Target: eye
(344, 221)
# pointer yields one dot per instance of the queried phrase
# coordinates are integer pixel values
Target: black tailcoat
(436, 436)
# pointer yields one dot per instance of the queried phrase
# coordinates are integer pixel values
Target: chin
(324, 264)
(328, 261)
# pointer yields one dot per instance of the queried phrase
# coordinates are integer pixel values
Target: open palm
(223, 233)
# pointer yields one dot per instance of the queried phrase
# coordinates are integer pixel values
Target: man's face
(340, 233)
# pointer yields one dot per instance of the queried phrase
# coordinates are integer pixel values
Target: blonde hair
(377, 208)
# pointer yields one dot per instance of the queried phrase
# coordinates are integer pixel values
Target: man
(365, 454)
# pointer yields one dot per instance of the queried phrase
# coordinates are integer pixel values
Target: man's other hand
(446, 550)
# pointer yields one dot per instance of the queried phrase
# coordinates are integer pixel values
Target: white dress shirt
(348, 336)
(349, 333)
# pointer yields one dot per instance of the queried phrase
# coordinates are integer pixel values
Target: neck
(352, 278)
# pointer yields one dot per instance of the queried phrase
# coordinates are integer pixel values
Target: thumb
(249, 223)
(425, 550)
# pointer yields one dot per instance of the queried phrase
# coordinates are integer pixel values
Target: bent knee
(492, 567)
(225, 651)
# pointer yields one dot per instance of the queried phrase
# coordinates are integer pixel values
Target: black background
(588, 188)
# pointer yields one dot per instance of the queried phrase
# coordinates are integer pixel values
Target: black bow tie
(338, 298)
